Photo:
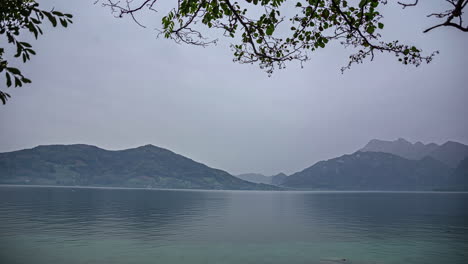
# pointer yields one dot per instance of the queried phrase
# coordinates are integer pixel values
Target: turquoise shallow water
(77, 225)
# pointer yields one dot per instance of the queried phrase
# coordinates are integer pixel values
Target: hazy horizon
(108, 82)
(249, 172)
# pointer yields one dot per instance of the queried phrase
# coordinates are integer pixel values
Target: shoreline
(224, 190)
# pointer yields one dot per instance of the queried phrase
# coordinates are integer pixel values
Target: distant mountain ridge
(380, 165)
(260, 178)
(390, 165)
(451, 153)
(85, 165)
(278, 179)
(374, 171)
(254, 177)
(401, 147)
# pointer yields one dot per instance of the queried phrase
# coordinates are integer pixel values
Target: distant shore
(224, 190)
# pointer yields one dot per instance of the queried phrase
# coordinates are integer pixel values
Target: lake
(45, 225)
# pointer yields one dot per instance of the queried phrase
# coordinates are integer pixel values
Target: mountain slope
(460, 175)
(401, 148)
(146, 166)
(451, 153)
(278, 179)
(260, 178)
(372, 171)
(255, 177)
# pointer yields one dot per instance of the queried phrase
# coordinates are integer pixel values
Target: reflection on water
(77, 225)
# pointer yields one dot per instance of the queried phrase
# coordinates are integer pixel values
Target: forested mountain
(153, 167)
(85, 165)
(373, 171)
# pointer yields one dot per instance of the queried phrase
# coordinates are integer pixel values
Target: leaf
(270, 29)
(57, 13)
(362, 3)
(325, 13)
(381, 26)
(18, 82)
(19, 49)
(63, 22)
(4, 97)
(33, 29)
(27, 45)
(13, 70)
(8, 78)
(51, 18)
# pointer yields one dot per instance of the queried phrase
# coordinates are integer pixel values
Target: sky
(107, 82)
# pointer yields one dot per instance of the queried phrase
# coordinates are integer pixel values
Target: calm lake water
(76, 225)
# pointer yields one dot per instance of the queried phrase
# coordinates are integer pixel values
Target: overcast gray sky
(107, 82)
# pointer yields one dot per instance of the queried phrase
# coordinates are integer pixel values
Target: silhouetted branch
(315, 24)
(450, 15)
(406, 5)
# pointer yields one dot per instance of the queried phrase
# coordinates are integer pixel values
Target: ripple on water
(58, 225)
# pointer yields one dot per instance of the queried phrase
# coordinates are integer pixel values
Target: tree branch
(406, 5)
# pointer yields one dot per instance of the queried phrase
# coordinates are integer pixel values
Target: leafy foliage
(15, 16)
(270, 39)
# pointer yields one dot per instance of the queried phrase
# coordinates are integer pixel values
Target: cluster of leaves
(15, 16)
(265, 40)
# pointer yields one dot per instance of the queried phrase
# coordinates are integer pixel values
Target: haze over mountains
(380, 165)
(260, 178)
(388, 165)
(373, 171)
(451, 153)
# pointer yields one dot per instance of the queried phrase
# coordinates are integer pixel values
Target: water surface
(77, 225)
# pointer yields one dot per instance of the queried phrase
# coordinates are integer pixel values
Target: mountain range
(379, 165)
(373, 171)
(451, 153)
(390, 165)
(85, 165)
